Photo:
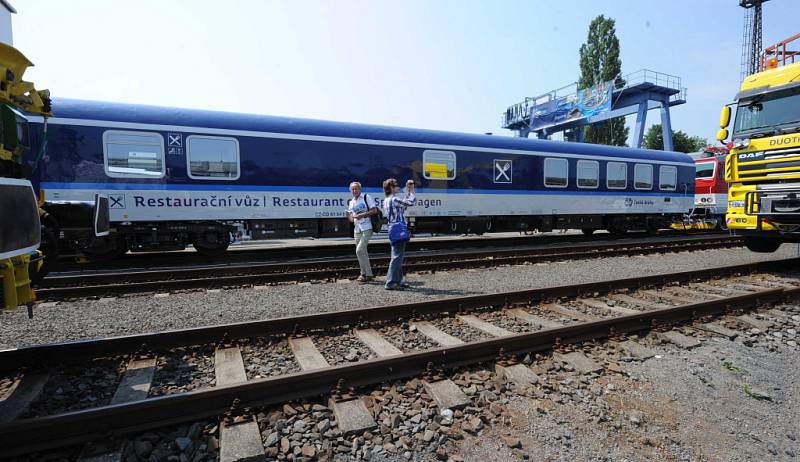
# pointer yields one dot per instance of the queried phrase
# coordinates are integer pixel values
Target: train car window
(439, 165)
(133, 154)
(616, 175)
(704, 169)
(212, 157)
(588, 174)
(556, 172)
(643, 176)
(667, 178)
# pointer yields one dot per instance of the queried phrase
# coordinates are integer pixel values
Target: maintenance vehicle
(21, 259)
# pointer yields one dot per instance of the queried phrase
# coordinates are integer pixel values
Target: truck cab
(763, 166)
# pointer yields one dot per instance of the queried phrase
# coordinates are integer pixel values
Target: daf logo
(751, 155)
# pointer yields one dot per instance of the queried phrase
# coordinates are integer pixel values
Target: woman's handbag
(399, 232)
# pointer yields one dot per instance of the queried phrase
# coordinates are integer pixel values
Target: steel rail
(59, 280)
(136, 282)
(80, 426)
(42, 355)
(340, 248)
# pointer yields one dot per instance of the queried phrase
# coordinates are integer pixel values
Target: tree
(654, 139)
(600, 62)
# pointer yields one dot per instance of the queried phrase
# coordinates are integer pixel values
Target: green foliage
(731, 367)
(654, 139)
(600, 62)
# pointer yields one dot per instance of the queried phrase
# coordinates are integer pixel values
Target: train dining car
(176, 177)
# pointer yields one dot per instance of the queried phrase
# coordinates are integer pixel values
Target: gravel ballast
(86, 319)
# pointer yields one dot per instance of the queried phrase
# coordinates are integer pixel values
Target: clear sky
(450, 65)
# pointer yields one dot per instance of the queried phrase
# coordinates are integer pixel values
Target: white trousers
(362, 239)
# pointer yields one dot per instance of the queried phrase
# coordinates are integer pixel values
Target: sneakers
(364, 279)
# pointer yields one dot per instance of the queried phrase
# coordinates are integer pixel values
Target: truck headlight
(741, 143)
(736, 204)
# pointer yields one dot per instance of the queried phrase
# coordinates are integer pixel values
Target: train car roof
(192, 119)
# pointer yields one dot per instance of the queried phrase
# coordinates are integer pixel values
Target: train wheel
(49, 247)
(106, 248)
(618, 230)
(761, 245)
(588, 231)
(212, 241)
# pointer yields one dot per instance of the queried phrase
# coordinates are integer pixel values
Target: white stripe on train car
(173, 205)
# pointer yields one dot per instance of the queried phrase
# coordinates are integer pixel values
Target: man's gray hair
(355, 183)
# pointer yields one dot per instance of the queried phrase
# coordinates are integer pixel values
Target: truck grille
(774, 166)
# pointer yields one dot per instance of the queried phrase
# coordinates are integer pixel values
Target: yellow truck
(763, 166)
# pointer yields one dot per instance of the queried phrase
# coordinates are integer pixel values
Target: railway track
(495, 328)
(246, 254)
(207, 277)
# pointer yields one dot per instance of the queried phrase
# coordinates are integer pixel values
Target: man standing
(359, 211)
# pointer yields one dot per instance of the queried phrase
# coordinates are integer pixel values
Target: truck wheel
(761, 245)
(212, 242)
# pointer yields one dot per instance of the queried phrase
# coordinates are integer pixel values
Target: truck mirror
(722, 134)
(724, 118)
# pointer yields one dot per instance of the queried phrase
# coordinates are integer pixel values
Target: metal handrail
(780, 53)
(520, 112)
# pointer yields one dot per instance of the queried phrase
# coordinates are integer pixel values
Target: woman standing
(394, 207)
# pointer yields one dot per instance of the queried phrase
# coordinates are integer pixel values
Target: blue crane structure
(638, 93)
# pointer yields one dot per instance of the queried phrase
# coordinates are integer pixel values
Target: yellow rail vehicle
(20, 227)
(763, 166)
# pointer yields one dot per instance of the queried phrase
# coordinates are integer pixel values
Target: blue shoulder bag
(399, 232)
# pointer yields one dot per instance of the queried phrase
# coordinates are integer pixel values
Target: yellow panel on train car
(436, 170)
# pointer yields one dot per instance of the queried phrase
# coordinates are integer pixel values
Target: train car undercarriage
(213, 237)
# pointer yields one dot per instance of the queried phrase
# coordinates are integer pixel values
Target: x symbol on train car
(174, 139)
(116, 201)
(502, 171)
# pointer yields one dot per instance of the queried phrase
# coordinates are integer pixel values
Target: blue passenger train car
(178, 176)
